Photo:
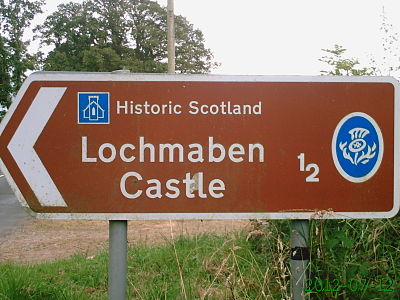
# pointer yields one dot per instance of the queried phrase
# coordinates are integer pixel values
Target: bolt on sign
(128, 146)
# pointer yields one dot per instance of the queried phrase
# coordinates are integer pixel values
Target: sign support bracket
(300, 256)
(117, 263)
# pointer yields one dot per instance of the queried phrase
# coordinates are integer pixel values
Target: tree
(106, 35)
(389, 64)
(342, 66)
(15, 17)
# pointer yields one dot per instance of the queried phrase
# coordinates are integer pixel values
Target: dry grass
(49, 240)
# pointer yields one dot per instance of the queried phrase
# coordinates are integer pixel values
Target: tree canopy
(15, 17)
(106, 35)
(388, 64)
(340, 65)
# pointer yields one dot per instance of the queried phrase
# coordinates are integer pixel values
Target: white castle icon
(93, 111)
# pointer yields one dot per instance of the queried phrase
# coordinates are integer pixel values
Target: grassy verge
(248, 265)
(363, 255)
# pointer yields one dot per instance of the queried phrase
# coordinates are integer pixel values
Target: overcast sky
(283, 37)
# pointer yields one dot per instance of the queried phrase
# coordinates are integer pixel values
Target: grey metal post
(117, 264)
(299, 238)
(171, 36)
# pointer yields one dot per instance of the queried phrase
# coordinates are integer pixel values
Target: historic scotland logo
(357, 147)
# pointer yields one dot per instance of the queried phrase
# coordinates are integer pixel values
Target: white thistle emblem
(357, 146)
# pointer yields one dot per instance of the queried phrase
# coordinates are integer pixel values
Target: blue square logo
(93, 108)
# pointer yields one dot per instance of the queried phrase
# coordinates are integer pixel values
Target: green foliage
(15, 17)
(248, 265)
(200, 267)
(105, 35)
(342, 66)
(390, 45)
(389, 64)
(73, 279)
(363, 252)
(212, 267)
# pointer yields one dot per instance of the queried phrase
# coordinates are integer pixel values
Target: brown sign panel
(126, 146)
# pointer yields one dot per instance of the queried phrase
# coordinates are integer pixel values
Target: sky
(284, 37)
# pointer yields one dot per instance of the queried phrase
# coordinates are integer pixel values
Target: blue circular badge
(357, 147)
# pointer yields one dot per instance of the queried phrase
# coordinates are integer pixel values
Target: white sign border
(83, 76)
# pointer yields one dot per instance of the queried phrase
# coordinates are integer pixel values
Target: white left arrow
(25, 137)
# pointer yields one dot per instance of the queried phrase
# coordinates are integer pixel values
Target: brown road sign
(127, 146)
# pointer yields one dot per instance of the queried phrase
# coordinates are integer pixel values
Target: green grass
(248, 265)
(75, 278)
(362, 252)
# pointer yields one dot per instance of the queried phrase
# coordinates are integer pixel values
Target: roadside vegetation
(362, 255)
(94, 36)
(350, 259)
